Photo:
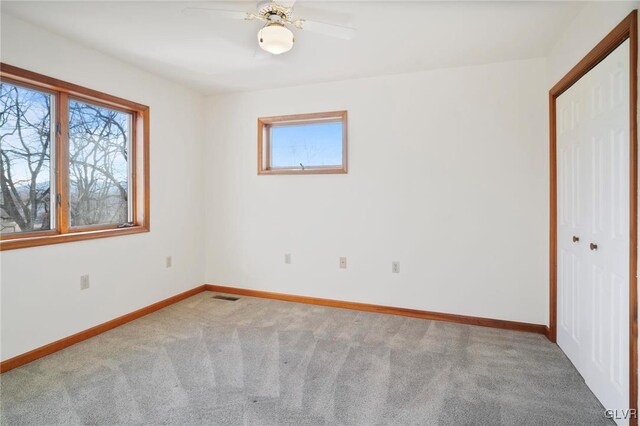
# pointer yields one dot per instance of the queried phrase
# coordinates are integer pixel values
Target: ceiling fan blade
(215, 13)
(338, 31)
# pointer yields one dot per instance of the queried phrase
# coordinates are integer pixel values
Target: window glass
(98, 165)
(73, 162)
(306, 145)
(25, 167)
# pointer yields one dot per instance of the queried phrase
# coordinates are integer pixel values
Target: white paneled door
(593, 227)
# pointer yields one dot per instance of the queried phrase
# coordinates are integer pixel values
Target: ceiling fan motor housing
(274, 12)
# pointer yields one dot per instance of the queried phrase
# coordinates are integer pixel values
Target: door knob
(575, 239)
(593, 246)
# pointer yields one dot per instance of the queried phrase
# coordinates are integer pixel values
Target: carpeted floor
(265, 362)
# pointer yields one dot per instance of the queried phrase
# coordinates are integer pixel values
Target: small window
(303, 144)
(73, 162)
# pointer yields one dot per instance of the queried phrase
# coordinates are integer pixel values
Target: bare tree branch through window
(98, 164)
(25, 166)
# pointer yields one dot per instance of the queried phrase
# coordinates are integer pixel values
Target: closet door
(593, 205)
(573, 182)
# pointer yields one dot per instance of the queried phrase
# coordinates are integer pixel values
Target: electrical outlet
(84, 282)
(287, 258)
(168, 262)
(343, 263)
(395, 267)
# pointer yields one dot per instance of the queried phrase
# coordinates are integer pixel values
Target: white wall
(41, 299)
(586, 30)
(447, 174)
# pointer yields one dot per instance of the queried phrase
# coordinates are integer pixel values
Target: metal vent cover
(228, 298)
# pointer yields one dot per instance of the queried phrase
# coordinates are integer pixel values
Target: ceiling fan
(275, 36)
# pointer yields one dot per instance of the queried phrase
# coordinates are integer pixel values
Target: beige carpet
(264, 362)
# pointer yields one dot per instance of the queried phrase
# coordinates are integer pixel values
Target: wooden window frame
(139, 160)
(264, 142)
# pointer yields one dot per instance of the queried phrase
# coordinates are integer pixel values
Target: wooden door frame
(627, 29)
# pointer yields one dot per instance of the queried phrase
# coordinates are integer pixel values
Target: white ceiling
(219, 55)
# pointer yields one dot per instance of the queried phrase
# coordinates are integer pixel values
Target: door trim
(627, 29)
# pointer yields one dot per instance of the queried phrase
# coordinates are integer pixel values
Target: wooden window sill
(43, 240)
(309, 171)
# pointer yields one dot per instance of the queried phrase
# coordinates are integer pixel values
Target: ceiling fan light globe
(275, 38)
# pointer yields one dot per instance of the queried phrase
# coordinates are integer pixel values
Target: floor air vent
(229, 298)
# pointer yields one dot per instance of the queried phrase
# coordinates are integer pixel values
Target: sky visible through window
(312, 145)
(27, 110)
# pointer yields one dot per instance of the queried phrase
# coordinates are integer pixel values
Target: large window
(300, 144)
(73, 162)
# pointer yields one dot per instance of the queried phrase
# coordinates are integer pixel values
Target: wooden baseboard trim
(415, 313)
(45, 350)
